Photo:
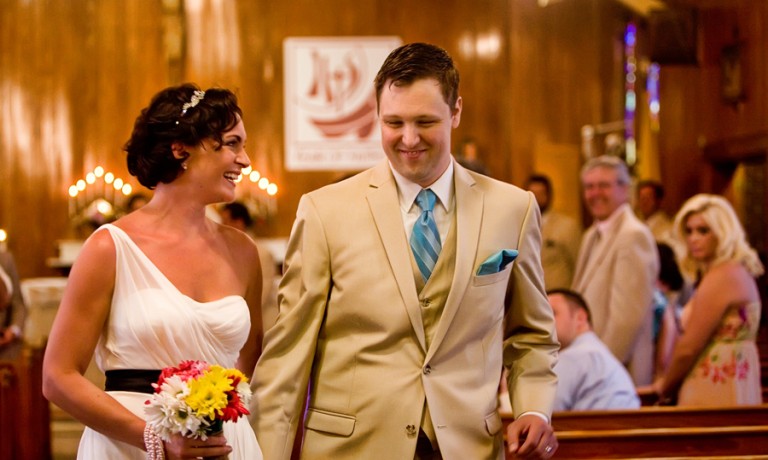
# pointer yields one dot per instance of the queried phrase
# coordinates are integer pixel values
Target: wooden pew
(728, 441)
(24, 412)
(8, 408)
(661, 417)
(662, 432)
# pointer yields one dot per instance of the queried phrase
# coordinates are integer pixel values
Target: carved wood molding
(737, 148)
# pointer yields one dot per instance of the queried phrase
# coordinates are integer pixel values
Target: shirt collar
(607, 224)
(442, 187)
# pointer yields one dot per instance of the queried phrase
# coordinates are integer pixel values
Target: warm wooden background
(74, 74)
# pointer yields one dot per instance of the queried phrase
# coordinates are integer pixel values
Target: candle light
(127, 189)
(80, 196)
(90, 193)
(117, 185)
(271, 200)
(72, 201)
(110, 193)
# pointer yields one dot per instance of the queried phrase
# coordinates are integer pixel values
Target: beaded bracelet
(154, 445)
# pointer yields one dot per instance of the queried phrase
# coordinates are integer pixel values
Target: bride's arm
(82, 314)
(251, 350)
(83, 311)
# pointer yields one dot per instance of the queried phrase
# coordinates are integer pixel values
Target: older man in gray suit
(617, 267)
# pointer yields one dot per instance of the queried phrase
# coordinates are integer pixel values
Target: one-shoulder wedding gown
(153, 325)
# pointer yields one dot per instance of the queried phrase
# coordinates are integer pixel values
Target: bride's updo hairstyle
(180, 113)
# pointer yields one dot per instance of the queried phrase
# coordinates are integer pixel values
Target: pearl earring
(184, 166)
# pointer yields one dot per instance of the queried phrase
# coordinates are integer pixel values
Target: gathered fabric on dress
(153, 325)
(727, 372)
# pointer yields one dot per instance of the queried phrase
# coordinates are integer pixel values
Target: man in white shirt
(589, 377)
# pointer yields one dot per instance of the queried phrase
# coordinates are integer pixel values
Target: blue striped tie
(425, 239)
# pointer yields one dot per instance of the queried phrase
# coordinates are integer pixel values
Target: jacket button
(427, 369)
(410, 430)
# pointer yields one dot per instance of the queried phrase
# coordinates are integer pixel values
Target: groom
(401, 345)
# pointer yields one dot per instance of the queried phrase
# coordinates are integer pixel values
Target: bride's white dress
(153, 325)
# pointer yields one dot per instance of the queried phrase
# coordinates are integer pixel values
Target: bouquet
(195, 398)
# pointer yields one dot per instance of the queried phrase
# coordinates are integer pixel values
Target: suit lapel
(385, 208)
(469, 214)
(604, 247)
(584, 255)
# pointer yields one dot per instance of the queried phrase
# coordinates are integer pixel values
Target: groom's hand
(530, 436)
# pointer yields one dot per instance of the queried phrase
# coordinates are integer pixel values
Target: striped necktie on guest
(425, 239)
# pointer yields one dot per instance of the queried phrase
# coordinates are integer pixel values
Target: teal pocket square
(497, 262)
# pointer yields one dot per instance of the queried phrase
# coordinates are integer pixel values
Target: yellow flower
(236, 376)
(207, 393)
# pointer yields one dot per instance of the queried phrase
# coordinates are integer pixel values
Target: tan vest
(432, 298)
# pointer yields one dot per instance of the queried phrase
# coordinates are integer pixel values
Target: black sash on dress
(136, 380)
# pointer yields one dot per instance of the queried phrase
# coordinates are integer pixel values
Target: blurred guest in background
(617, 267)
(715, 360)
(237, 215)
(12, 308)
(560, 236)
(469, 156)
(674, 291)
(136, 201)
(589, 377)
(649, 196)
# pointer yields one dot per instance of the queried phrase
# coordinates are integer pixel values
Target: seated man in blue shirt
(589, 376)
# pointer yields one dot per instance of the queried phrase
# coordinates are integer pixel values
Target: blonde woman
(715, 360)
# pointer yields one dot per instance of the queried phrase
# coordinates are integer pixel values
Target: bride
(162, 284)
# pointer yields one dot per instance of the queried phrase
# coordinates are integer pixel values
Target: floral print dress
(727, 372)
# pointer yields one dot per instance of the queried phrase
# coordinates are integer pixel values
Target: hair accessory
(197, 96)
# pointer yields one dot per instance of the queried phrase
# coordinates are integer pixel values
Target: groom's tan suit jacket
(350, 326)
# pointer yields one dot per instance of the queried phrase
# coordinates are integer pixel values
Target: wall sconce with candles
(97, 198)
(101, 197)
(257, 192)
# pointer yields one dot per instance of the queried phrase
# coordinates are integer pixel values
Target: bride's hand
(180, 447)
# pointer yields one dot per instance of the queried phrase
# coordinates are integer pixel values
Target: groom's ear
(456, 113)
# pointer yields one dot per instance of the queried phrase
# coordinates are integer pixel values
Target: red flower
(185, 370)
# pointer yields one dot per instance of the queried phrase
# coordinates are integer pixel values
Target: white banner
(330, 102)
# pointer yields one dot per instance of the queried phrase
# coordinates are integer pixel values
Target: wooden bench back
(662, 432)
(25, 431)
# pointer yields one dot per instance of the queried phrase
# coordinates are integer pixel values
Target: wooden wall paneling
(74, 75)
(693, 113)
(73, 82)
(566, 73)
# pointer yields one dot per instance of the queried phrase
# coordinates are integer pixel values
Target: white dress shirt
(443, 189)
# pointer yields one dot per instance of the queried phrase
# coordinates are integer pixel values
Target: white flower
(244, 390)
(168, 413)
